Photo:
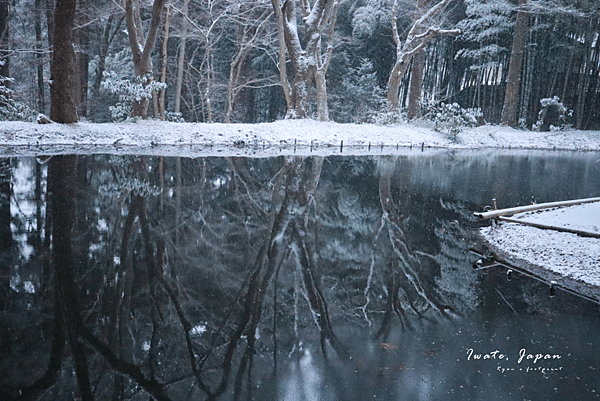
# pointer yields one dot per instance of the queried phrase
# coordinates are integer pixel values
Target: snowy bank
(283, 137)
(569, 255)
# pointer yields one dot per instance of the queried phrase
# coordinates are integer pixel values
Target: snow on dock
(564, 240)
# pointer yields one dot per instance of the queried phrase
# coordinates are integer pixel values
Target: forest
(531, 64)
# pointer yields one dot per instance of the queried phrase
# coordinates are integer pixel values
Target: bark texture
(63, 106)
(515, 69)
(308, 59)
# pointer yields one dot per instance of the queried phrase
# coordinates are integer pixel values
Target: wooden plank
(581, 233)
(521, 209)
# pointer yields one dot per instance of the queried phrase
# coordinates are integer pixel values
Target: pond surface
(336, 278)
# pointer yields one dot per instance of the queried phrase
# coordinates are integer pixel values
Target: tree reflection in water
(232, 278)
(405, 293)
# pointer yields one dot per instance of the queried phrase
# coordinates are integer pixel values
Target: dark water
(338, 278)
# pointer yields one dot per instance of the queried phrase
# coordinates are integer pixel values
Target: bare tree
(142, 47)
(108, 33)
(4, 47)
(417, 39)
(309, 60)
(251, 21)
(39, 55)
(163, 73)
(181, 55)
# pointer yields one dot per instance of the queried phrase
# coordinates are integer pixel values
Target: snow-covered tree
(142, 46)
(308, 54)
(131, 91)
(359, 95)
(421, 32)
(485, 31)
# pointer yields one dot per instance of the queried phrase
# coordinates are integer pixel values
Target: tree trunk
(300, 87)
(181, 57)
(4, 51)
(285, 84)
(83, 58)
(305, 58)
(39, 56)
(321, 84)
(394, 83)
(50, 24)
(416, 85)
(515, 69)
(5, 215)
(163, 74)
(63, 106)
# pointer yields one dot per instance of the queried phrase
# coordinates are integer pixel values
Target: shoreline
(302, 137)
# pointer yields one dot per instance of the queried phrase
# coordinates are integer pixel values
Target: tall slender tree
(181, 56)
(63, 106)
(4, 51)
(515, 69)
(39, 56)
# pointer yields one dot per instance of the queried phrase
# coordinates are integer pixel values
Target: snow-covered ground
(283, 137)
(564, 253)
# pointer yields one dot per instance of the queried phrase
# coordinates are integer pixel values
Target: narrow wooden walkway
(580, 216)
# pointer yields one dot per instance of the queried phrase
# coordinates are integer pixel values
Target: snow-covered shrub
(450, 118)
(174, 117)
(553, 115)
(129, 90)
(369, 19)
(389, 116)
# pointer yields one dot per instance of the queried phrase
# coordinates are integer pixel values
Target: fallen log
(581, 233)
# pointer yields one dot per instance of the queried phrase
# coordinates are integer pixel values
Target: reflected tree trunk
(61, 176)
(288, 231)
(404, 287)
(5, 199)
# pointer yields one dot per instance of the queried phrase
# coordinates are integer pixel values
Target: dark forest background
(219, 60)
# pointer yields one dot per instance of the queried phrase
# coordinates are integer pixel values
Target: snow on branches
(416, 40)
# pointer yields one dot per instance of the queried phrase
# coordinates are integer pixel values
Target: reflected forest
(296, 278)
